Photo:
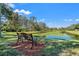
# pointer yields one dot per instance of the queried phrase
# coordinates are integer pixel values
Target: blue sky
(53, 14)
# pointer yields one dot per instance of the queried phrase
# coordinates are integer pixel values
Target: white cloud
(42, 20)
(28, 12)
(11, 5)
(68, 19)
(76, 19)
(17, 10)
(25, 12)
(22, 11)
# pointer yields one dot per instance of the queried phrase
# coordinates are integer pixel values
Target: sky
(53, 14)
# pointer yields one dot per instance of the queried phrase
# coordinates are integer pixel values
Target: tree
(23, 22)
(34, 24)
(5, 10)
(73, 26)
(14, 22)
(42, 26)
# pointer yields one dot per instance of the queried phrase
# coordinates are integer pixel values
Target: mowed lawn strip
(73, 32)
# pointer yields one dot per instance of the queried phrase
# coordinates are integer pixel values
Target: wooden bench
(25, 36)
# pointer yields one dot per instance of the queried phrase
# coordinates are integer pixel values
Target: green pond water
(56, 37)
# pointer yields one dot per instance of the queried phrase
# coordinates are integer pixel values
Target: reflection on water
(75, 37)
(53, 37)
(64, 37)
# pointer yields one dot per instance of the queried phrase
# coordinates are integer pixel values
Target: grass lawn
(11, 36)
(55, 32)
(8, 37)
(61, 48)
(53, 47)
(73, 32)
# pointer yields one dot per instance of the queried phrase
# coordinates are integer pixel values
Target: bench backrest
(25, 36)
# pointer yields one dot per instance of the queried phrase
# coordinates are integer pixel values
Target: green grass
(58, 33)
(6, 50)
(57, 48)
(8, 37)
(73, 32)
(52, 47)
(55, 32)
(11, 36)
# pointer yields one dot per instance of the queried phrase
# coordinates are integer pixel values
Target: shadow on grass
(55, 48)
(8, 39)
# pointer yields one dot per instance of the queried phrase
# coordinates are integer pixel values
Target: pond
(55, 37)
(64, 37)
